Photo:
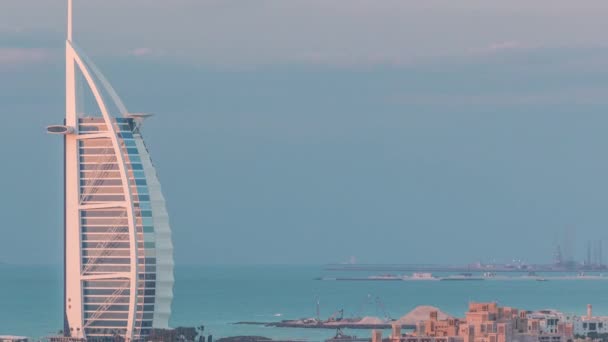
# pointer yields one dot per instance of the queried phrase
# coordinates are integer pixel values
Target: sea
(220, 296)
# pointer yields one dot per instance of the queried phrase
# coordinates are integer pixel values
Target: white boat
(462, 276)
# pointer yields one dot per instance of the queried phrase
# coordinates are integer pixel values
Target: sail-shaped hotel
(118, 249)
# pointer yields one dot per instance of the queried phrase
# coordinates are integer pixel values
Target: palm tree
(201, 329)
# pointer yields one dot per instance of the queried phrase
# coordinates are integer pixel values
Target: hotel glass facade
(105, 232)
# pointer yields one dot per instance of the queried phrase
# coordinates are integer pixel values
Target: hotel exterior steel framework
(118, 250)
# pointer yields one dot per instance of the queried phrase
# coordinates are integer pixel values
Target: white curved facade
(118, 249)
(162, 237)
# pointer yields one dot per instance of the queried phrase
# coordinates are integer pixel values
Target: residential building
(487, 322)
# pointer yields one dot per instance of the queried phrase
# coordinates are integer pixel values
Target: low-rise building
(487, 322)
(66, 339)
(10, 338)
(589, 325)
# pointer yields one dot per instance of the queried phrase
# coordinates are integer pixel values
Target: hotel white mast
(118, 251)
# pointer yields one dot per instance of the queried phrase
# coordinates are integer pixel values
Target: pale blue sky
(309, 131)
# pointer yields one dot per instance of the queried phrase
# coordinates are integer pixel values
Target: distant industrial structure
(563, 260)
(593, 258)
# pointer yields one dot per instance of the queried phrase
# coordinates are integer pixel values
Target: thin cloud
(498, 47)
(563, 96)
(22, 38)
(12, 56)
(141, 51)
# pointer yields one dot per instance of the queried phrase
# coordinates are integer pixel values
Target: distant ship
(385, 277)
(422, 276)
(462, 276)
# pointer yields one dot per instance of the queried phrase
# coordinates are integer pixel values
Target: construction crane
(380, 305)
(318, 309)
(336, 316)
(363, 306)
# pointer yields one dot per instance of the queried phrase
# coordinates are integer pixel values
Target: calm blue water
(216, 296)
